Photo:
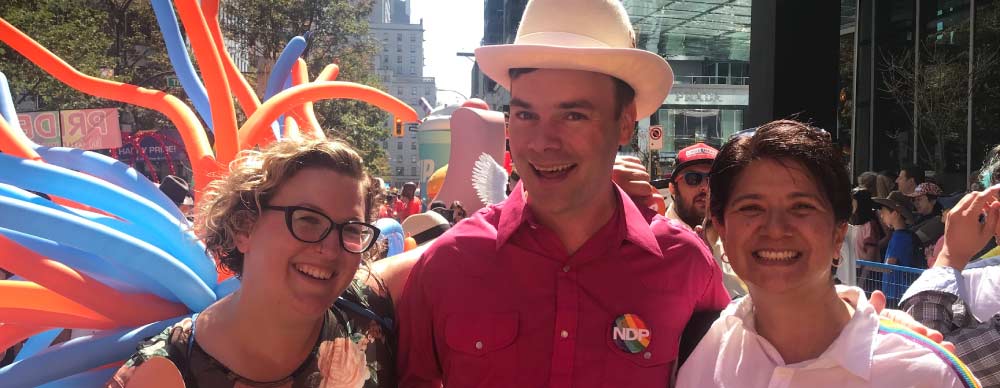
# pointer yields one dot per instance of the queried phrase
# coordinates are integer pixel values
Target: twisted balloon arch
(109, 252)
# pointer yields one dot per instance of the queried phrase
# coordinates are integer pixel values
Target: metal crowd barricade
(893, 280)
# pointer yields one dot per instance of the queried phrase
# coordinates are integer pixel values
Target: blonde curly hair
(232, 203)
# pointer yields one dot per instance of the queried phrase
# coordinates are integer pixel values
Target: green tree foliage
(122, 36)
(119, 37)
(338, 33)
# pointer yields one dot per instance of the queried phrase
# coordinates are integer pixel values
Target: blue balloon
(7, 104)
(135, 230)
(41, 177)
(110, 244)
(113, 275)
(227, 287)
(391, 230)
(37, 343)
(282, 71)
(78, 355)
(92, 378)
(178, 54)
(111, 170)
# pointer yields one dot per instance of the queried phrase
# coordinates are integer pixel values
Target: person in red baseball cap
(689, 199)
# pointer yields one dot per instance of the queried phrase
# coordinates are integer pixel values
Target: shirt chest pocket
(482, 349)
(640, 353)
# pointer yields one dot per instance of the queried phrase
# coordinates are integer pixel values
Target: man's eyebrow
(520, 103)
(576, 104)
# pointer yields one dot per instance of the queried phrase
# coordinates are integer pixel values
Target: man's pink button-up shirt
(497, 302)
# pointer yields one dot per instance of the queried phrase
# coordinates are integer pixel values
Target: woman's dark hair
(786, 142)
(865, 210)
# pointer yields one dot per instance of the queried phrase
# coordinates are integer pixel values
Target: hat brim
(647, 73)
(885, 202)
(690, 163)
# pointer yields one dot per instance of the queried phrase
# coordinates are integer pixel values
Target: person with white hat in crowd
(567, 283)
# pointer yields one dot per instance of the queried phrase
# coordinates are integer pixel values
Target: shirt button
(564, 334)
(479, 345)
(647, 355)
(566, 268)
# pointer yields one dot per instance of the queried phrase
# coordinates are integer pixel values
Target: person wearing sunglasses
(292, 223)
(689, 198)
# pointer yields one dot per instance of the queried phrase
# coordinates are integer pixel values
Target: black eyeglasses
(694, 178)
(310, 226)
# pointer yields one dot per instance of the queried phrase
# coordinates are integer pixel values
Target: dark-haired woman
(781, 200)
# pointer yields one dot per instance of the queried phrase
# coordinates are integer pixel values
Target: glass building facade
(707, 43)
(919, 85)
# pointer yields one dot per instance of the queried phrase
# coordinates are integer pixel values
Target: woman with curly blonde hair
(291, 222)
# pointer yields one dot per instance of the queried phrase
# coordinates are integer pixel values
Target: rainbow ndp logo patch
(630, 333)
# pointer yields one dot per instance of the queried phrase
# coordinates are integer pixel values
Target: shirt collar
(515, 212)
(853, 349)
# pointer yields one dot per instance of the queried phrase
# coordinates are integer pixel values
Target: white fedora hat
(590, 35)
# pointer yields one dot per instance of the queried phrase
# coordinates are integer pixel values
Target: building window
(413, 38)
(399, 145)
(413, 171)
(413, 145)
(399, 49)
(413, 90)
(399, 37)
(413, 159)
(399, 59)
(399, 171)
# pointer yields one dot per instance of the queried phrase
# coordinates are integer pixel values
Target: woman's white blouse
(732, 354)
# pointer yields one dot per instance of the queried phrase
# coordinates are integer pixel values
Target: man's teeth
(777, 255)
(555, 168)
(314, 272)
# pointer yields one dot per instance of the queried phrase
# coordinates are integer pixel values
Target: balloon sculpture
(109, 252)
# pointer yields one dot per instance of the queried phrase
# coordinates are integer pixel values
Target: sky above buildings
(450, 26)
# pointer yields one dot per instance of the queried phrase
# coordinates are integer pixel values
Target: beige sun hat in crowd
(426, 226)
(590, 35)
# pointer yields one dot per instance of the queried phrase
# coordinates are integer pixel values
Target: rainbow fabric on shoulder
(947, 356)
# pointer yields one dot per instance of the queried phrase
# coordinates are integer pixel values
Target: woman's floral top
(354, 349)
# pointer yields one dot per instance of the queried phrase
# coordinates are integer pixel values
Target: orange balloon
(292, 128)
(219, 96)
(257, 131)
(241, 88)
(12, 334)
(329, 73)
(196, 144)
(661, 205)
(29, 304)
(15, 142)
(308, 124)
(125, 309)
(409, 243)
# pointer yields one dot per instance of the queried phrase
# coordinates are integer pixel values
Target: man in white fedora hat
(567, 283)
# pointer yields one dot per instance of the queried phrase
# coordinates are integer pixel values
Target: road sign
(173, 82)
(655, 137)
